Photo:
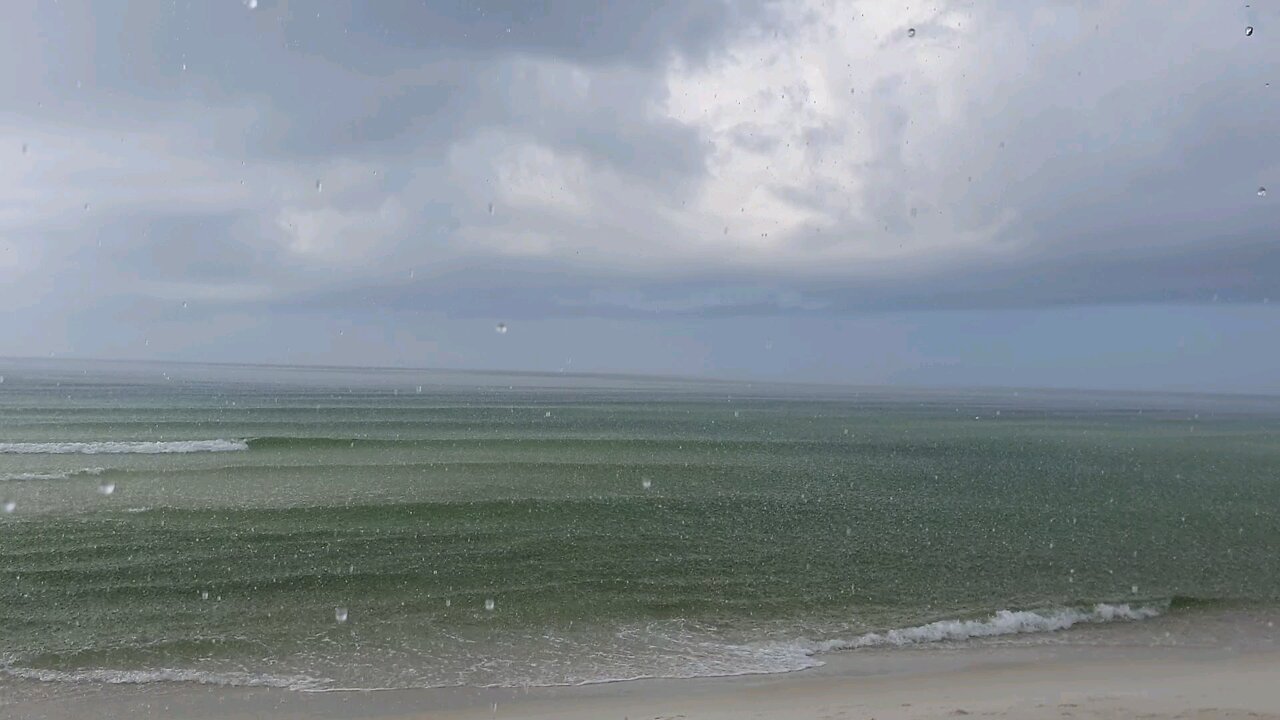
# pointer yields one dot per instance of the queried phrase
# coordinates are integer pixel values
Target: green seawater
(214, 524)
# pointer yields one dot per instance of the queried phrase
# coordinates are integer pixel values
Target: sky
(1006, 193)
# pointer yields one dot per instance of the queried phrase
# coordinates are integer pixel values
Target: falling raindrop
(501, 329)
(491, 208)
(319, 186)
(204, 594)
(184, 67)
(10, 506)
(914, 212)
(1133, 589)
(1248, 32)
(251, 4)
(184, 304)
(419, 389)
(1262, 192)
(106, 487)
(488, 604)
(86, 206)
(646, 483)
(548, 413)
(911, 32)
(737, 414)
(24, 148)
(340, 614)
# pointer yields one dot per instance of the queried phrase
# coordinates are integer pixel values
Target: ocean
(322, 529)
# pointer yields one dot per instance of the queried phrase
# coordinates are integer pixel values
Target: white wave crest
(1004, 622)
(118, 447)
(139, 677)
(63, 475)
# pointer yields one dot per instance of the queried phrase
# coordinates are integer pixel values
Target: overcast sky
(950, 193)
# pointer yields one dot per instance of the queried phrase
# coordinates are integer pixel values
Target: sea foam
(54, 475)
(1004, 622)
(167, 675)
(118, 447)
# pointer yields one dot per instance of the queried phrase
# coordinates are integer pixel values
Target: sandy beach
(1064, 682)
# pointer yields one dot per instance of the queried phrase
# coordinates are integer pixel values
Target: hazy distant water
(620, 528)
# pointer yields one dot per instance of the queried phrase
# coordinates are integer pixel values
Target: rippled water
(510, 530)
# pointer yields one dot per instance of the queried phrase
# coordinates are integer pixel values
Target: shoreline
(1015, 682)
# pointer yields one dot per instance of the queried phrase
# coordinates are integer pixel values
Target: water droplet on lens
(1262, 192)
(340, 614)
(319, 186)
(106, 487)
(419, 388)
(204, 594)
(501, 329)
(251, 4)
(911, 32)
(548, 413)
(10, 506)
(1248, 32)
(489, 604)
(646, 483)
(1133, 589)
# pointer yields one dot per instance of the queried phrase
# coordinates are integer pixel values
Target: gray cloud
(634, 160)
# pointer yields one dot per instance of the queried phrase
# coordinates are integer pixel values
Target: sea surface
(323, 529)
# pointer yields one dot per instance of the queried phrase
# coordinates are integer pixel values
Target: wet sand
(992, 682)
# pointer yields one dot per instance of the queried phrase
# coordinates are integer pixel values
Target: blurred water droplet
(1133, 589)
(86, 206)
(1262, 192)
(10, 506)
(340, 614)
(1248, 32)
(419, 389)
(251, 4)
(914, 212)
(490, 208)
(501, 329)
(184, 67)
(646, 483)
(548, 413)
(911, 32)
(106, 488)
(448, 602)
(204, 594)
(24, 148)
(489, 604)
(184, 304)
(319, 186)
(737, 414)
(768, 345)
